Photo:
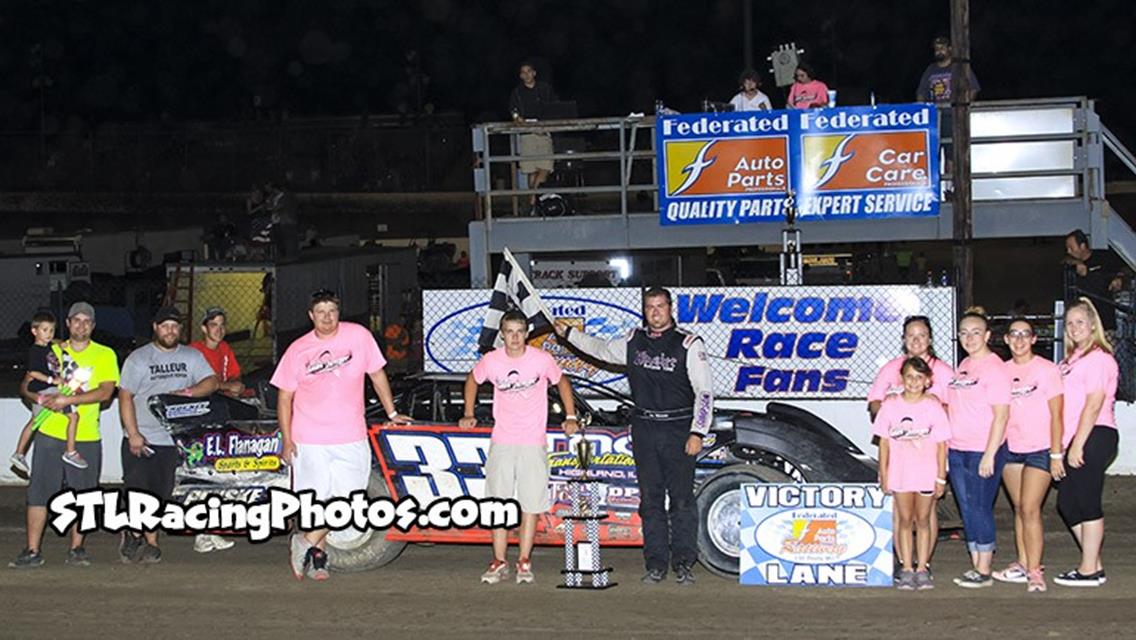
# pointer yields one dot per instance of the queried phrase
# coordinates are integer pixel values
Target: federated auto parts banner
(763, 342)
(829, 535)
(846, 163)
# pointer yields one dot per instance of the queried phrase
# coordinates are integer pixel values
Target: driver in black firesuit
(672, 389)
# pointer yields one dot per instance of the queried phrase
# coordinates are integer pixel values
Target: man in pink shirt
(517, 464)
(320, 411)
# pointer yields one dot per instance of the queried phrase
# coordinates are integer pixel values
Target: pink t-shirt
(808, 95)
(1085, 373)
(1032, 386)
(327, 376)
(889, 382)
(913, 431)
(977, 386)
(520, 393)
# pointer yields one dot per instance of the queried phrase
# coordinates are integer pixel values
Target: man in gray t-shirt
(149, 457)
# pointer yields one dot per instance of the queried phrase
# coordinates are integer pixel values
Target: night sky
(99, 61)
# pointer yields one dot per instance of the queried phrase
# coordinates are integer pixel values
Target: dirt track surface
(432, 592)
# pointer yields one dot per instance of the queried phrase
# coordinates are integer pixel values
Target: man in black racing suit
(672, 388)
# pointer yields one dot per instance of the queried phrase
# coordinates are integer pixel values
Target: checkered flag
(512, 290)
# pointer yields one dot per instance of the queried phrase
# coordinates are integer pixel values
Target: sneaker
(1014, 573)
(150, 554)
(974, 580)
(78, 557)
(27, 559)
(1035, 579)
(74, 459)
(684, 575)
(20, 465)
(524, 571)
(204, 543)
(924, 580)
(905, 581)
(498, 570)
(130, 549)
(298, 556)
(316, 562)
(1075, 578)
(654, 576)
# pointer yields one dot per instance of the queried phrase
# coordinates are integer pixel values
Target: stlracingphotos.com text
(119, 509)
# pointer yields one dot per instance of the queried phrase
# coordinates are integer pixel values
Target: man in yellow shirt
(96, 367)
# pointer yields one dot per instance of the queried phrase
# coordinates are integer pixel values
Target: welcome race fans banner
(763, 342)
(847, 163)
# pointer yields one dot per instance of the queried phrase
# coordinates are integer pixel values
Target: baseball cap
(167, 313)
(212, 312)
(81, 308)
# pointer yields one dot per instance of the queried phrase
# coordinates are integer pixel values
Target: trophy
(582, 566)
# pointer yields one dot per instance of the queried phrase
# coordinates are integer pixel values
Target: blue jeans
(976, 495)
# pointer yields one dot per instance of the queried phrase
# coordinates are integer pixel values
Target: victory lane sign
(845, 163)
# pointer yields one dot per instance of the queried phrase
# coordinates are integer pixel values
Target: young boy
(45, 377)
(517, 464)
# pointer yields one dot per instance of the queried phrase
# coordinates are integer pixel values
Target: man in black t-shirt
(527, 102)
(1100, 273)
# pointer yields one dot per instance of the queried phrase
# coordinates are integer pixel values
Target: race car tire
(370, 550)
(719, 502)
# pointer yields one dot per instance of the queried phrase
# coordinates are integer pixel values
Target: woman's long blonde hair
(1099, 340)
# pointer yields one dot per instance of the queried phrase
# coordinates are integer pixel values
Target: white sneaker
(204, 543)
(20, 463)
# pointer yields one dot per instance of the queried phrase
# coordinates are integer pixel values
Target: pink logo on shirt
(325, 363)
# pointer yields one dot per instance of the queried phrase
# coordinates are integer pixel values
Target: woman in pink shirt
(1090, 437)
(978, 399)
(917, 342)
(807, 92)
(913, 430)
(1033, 434)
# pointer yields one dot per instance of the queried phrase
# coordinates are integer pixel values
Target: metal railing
(615, 155)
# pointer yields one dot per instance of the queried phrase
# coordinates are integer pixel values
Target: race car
(433, 458)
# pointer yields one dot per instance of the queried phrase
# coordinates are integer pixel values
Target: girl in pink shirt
(978, 399)
(807, 92)
(1033, 434)
(913, 430)
(1090, 437)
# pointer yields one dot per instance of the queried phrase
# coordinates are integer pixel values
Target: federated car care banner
(830, 535)
(839, 164)
(762, 342)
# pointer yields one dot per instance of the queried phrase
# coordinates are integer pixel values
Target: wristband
(571, 416)
(1056, 456)
(392, 415)
(940, 481)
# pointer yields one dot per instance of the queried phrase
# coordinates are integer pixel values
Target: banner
(762, 342)
(834, 535)
(843, 163)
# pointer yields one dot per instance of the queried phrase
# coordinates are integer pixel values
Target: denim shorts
(1035, 459)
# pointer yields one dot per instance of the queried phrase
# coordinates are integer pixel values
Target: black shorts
(154, 474)
(50, 474)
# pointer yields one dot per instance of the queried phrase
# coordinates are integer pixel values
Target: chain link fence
(762, 342)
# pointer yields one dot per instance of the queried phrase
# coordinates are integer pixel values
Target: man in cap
(83, 359)
(221, 358)
(149, 456)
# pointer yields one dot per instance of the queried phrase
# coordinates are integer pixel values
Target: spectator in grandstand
(517, 464)
(320, 412)
(1097, 274)
(978, 402)
(807, 92)
(672, 389)
(935, 86)
(149, 454)
(1089, 437)
(49, 474)
(1033, 437)
(527, 102)
(750, 98)
(284, 214)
